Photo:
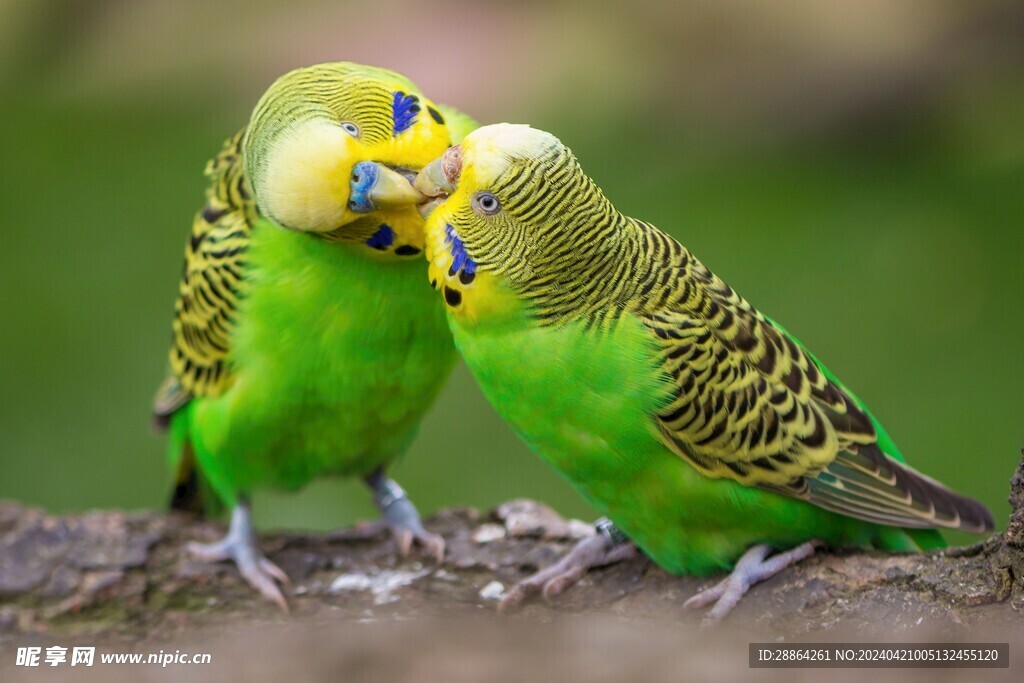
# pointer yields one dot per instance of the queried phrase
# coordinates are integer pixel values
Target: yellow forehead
(489, 151)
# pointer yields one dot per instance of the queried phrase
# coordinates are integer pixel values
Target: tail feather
(192, 491)
(869, 485)
(188, 494)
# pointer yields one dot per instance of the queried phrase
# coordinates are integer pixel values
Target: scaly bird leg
(399, 516)
(239, 545)
(752, 568)
(606, 547)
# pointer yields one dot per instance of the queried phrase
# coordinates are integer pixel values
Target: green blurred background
(856, 169)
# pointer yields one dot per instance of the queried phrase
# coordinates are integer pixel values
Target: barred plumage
(211, 283)
(747, 401)
(331, 91)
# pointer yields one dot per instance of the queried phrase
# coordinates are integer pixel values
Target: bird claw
(515, 596)
(434, 546)
(557, 585)
(239, 546)
(405, 538)
(706, 596)
(552, 581)
(274, 572)
(264, 576)
(751, 569)
(406, 534)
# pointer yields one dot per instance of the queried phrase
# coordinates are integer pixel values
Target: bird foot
(751, 569)
(400, 518)
(596, 551)
(239, 546)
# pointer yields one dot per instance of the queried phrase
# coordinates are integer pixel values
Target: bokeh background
(856, 169)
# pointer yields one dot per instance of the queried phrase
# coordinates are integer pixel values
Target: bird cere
(307, 344)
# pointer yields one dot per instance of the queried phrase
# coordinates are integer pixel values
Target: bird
(703, 431)
(305, 341)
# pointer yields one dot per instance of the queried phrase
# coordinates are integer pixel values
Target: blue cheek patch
(404, 109)
(460, 259)
(383, 238)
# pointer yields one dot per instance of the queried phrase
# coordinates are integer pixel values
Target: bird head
(332, 146)
(516, 201)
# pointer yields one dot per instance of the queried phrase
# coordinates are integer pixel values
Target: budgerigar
(704, 430)
(306, 342)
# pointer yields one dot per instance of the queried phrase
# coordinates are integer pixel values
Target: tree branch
(125, 575)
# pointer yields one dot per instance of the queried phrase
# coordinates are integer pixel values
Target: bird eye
(350, 128)
(485, 203)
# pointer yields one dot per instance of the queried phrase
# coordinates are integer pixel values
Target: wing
(211, 283)
(749, 403)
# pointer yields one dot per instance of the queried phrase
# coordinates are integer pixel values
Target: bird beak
(432, 182)
(376, 187)
(437, 180)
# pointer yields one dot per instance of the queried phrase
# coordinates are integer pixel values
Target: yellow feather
(306, 182)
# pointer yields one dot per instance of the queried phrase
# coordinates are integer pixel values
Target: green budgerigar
(305, 341)
(701, 428)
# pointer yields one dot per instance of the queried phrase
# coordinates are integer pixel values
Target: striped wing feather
(752, 405)
(211, 284)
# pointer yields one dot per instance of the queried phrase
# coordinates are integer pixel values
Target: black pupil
(488, 202)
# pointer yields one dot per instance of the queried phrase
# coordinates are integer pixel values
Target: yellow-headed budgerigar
(305, 341)
(700, 427)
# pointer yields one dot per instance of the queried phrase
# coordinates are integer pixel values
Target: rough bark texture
(124, 576)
